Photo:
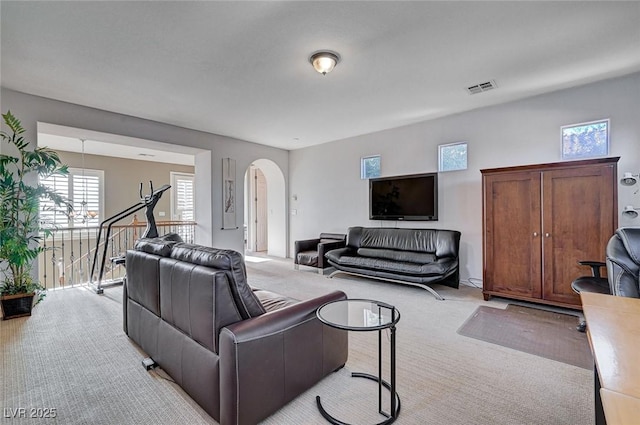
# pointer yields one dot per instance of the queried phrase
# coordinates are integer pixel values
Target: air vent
(482, 87)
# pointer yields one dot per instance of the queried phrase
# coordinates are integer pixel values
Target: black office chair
(623, 268)
(623, 262)
(593, 283)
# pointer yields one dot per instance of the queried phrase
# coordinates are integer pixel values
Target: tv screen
(413, 197)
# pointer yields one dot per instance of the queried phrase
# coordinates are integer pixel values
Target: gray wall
(32, 109)
(331, 196)
(122, 178)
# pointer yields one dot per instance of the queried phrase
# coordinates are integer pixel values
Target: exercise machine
(151, 231)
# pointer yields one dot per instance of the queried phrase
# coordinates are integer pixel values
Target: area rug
(542, 333)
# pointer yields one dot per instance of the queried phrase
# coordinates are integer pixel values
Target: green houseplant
(20, 225)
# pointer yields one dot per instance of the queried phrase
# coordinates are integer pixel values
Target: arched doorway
(265, 209)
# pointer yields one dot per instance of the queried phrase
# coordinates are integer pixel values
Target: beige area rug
(72, 355)
(543, 333)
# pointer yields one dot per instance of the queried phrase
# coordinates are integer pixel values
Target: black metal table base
(391, 417)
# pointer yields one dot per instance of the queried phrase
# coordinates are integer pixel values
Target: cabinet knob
(546, 235)
(535, 234)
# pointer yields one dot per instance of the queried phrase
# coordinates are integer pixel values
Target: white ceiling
(241, 68)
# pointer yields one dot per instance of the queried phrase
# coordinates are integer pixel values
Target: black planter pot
(18, 305)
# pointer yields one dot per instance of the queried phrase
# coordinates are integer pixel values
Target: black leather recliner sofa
(417, 257)
(239, 352)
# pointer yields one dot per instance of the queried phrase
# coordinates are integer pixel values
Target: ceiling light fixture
(84, 214)
(324, 61)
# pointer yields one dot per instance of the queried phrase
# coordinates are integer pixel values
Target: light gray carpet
(72, 355)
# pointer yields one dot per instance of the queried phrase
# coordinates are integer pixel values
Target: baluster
(79, 271)
(54, 265)
(61, 273)
(72, 279)
(87, 273)
(44, 264)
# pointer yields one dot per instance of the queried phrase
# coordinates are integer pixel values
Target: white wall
(32, 109)
(331, 196)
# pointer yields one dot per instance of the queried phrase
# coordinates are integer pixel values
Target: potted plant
(20, 225)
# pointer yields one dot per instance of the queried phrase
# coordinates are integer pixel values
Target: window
(50, 215)
(83, 188)
(585, 140)
(182, 197)
(452, 156)
(370, 167)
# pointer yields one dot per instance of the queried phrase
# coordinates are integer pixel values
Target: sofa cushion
(272, 301)
(392, 254)
(156, 246)
(232, 263)
(443, 243)
(196, 299)
(399, 267)
(308, 258)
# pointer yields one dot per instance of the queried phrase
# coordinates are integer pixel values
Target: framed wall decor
(452, 156)
(228, 193)
(585, 140)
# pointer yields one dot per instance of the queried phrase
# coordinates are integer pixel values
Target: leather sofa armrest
(267, 361)
(325, 247)
(335, 254)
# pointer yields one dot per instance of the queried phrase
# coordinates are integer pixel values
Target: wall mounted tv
(411, 197)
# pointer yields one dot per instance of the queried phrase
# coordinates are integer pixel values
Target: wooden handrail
(122, 238)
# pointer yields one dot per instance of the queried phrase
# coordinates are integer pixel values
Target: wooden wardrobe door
(578, 220)
(512, 247)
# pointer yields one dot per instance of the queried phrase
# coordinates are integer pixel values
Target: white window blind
(183, 204)
(86, 189)
(50, 214)
(79, 187)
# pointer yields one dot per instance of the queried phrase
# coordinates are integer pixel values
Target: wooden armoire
(539, 221)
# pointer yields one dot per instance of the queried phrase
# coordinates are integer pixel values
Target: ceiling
(241, 68)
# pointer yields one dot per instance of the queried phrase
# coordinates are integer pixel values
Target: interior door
(512, 251)
(578, 221)
(261, 211)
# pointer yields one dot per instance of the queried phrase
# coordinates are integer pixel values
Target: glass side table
(366, 315)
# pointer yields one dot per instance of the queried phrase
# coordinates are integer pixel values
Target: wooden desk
(620, 409)
(613, 325)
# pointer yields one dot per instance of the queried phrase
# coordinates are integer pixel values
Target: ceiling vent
(482, 87)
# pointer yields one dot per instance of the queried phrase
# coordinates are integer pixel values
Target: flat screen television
(411, 197)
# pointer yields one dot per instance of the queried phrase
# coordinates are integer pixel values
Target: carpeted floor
(532, 330)
(72, 355)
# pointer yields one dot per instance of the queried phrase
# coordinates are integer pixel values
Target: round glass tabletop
(358, 314)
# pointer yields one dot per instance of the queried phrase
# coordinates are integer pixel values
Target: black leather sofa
(623, 262)
(417, 257)
(239, 352)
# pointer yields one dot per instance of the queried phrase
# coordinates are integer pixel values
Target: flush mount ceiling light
(324, 61)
